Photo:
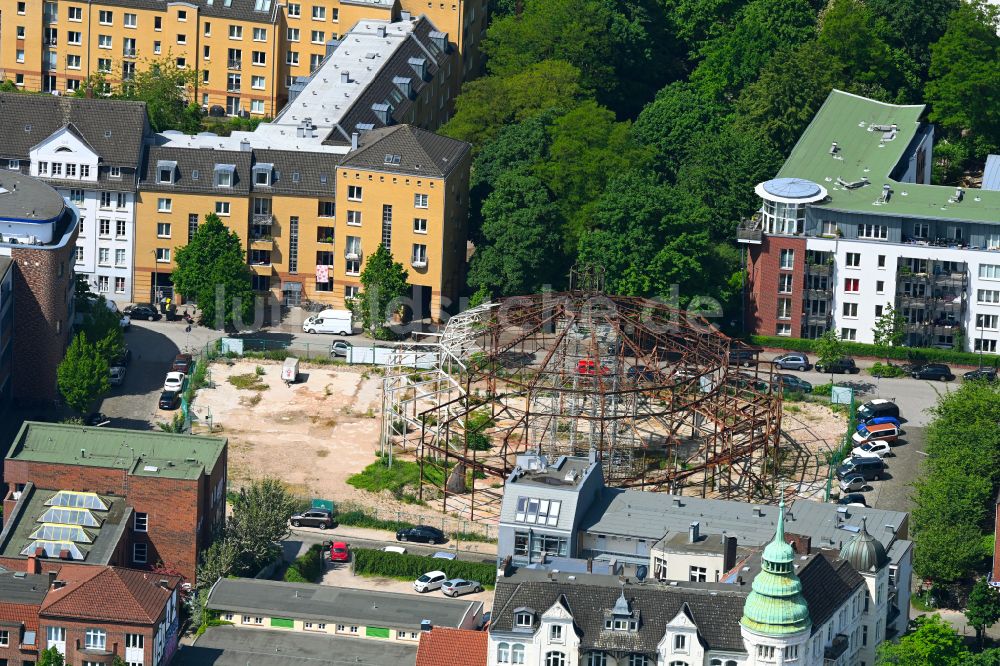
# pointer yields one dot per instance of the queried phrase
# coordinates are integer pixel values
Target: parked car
(95, 419)
(744, 357)
(982, 374)
(169, 400)
(399, 550)
(853, 499)
(876, 408)
(877, 420)
(143, 311)
(933, 371)
(746, 380)
(174, 381)
(123, 359)
(876, 432)
(842, 366)
(125, 322)
(640, 373)
(793, 383)
(340, 552)
(871, 469)
(422, 534)
(116, 375)
(879, 449)
(432, 580)
(314, 517)
(443, 555)
(456, 587)
(588, 366)
(852, 483)
(182, 363)
(340, 348)
(798, 362)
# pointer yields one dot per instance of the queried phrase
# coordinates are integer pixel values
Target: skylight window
(82, 517)
(62, 533)
(392, 159)
(53, 549)
(75, 500)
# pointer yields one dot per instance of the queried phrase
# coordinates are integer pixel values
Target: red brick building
(775, 269)
(108, 496)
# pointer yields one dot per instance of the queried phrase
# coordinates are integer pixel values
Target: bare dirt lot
(312, 434)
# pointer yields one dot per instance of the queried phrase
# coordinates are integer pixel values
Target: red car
(587, 366)
(339, 552)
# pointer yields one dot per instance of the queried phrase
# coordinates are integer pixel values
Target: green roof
(141, 453)
(845, 119)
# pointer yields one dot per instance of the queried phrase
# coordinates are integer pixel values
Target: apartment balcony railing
(819, 269)
(233, 63)
(750, 231)
(818, 294)
(262, 268)
(262, 243)
(818, 319)
(263, 218)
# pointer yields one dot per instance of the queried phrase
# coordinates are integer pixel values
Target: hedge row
(308, 568)
(913, 354)
(359, 518)
(368, 562)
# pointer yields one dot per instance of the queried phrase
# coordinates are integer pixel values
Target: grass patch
(359, 518)
(308, 568)
(248, 382)
(879, 369)
(251, 400)
(368, 562)
(400, 479)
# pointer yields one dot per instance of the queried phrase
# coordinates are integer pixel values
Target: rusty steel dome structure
(646, 386)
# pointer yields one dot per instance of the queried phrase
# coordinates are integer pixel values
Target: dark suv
(870, 468)
(421, 533)
(933, 371)
(314, 517)
(842, 366)
(744, 357)
(981, 374)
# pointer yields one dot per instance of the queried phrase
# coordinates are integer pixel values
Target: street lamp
(152, 289)
(981, 325)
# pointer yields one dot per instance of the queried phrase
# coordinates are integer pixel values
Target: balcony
(265, 243)
(234, 64)
(817, 319)
(261, 268)
(819, 269)
(750, 231)
(263, 218)
(818, 294)
(418, 262)
(50, 41)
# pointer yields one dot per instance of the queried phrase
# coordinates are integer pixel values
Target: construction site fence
(364, 515)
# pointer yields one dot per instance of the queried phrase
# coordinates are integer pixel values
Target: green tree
(829, 350)
(213, 265)
(118, 661)
(964, 84)
(521, 245)
(849, 34)
(933, 643)
(913, 25)
(383, 286)
(164, 87)
(51, 657)
(983, 608)
(889, 331)
(990, 657)
(481, 295)
(102, 324)
(9, 86)
(259, 521)
(219, 560)
(489, 103)
(82, 375)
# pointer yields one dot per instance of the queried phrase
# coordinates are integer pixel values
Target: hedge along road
(914, 396)
(308, 536)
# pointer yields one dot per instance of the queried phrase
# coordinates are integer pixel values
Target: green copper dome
(775, 605)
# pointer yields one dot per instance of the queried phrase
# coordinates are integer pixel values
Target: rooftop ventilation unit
(834, 148)
(886, 192)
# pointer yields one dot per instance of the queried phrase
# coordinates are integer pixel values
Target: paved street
(894, 490)
(367, 538)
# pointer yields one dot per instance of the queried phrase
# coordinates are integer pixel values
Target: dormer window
(524, 618)
(392, 160)
(165, 171)
(262, 174)
(224, 175)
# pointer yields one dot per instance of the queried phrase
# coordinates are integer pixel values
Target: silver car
(456, 587)
(798, 362)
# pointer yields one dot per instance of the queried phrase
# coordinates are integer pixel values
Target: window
(555, 659)
(235, 32)
(292, 58)
(523, 619)
(163, 255)
(880, 287)
(72, 37)
(257, 82)
(104, 227)
(988, 296)
(76, 196)
(71, 171)
(784, 282)
(985, 345)
(79, 255)
(784, 308)
(319, 13)
(260, 34)
(697, 575)
(987, 321)
(121, 200)
(104, 17)
(503, 653)
(420, 200)
(873, 231)
(73, 62)
(129, 20)
(140, 552)
(119, 257)
(222, 208)
(878, 310)
(853, 260)
(851, 310)
(596, 659)
(134, 641)
(43, 168)
(353, 218)
(95, 639)
(989, 271)
(259, 57)
(783, 329)
(327, 209)
(352, 292)
(640, 660)
(57, 168)
(164, 205)
(115, 172)
(921, 230)
(294, 10)
(765, 652)
(787, 260)
(542, 512)
(318, 37)
(556, 632)
(852, 285)
(182, 15)
(354, 193)
(848, 334)
(163, 230)
(292, 34)
(104, 256)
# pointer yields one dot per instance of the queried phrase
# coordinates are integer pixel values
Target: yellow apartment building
(245, 54)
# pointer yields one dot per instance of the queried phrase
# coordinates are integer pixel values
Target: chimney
(345, 77)
(800, 543)
(245, 145)
(52, 578)
(590, 561)
(34, 566)
(380, 31)
(83, 453)
(677, 501)
(354, 140)
(64, 554)
(728, 552)
(693, 532)
(426, 625)
(592, 455)
(757, 512)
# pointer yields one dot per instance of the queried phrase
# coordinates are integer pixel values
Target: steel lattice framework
(646, 385)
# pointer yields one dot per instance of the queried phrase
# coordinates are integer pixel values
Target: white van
(329, 321)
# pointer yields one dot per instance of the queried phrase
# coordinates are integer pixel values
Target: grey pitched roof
(421, 153)
(310, 167)
(114, 129)
(827, 583)
(202, 161)
(715, 609)
(242, 10)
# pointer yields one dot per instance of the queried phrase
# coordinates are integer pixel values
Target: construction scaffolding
(646, 385)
